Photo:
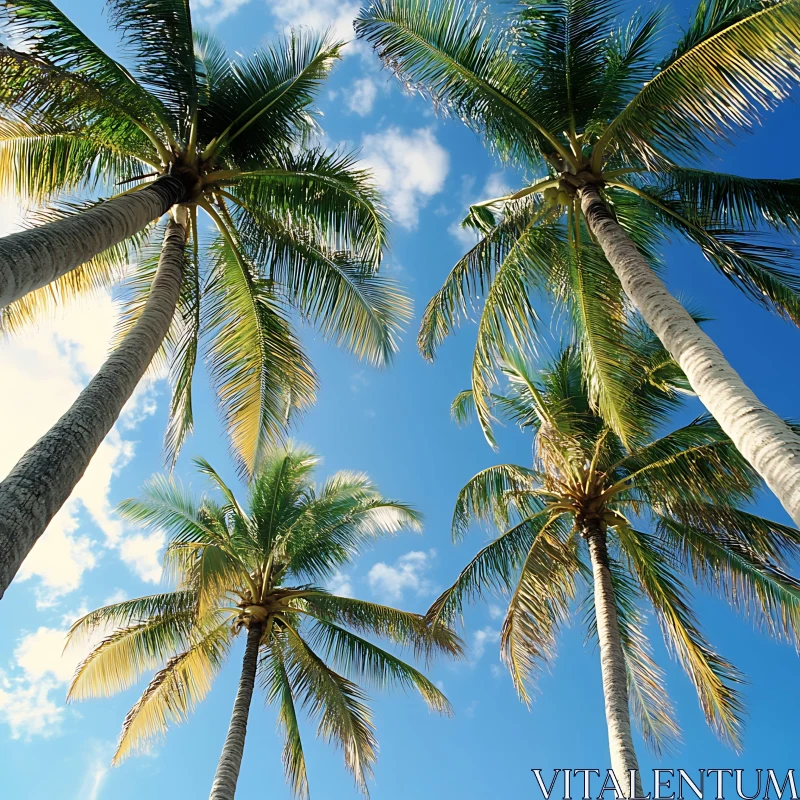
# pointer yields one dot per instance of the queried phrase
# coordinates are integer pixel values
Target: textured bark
(43, 479)
(612, 665)
(762, 437)
(230, 761)
(32, 259)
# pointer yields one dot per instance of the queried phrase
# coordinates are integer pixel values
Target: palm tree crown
(666, 508)
(296, 227)
(563, 92)
(257, 569)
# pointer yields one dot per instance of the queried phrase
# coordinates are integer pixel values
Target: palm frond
(326, 191)
(734, 201)
(262, 110)
(399, 627)
(737, 60)
(368, 663)
(732, 568)
(628, 59)
(342, 294)
(121, 657)
(489, 496)
(495, 568)
(158, 35)
(473, 275)
(540, 604)
(695, 463)
(174, 691)
(564, 47)
(450, 50)
(38, 92)
(338, 704)
(649, 701)
(257, 365)
(714, 678)
(279, 689)
(40, 161)
(46, 32)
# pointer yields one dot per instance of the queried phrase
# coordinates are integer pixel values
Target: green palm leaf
(714, 678)
(736, 60)
(258, 367)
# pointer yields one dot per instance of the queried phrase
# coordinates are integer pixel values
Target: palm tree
(254, 570)
(604, 127)
(622, 526)
(297, 228)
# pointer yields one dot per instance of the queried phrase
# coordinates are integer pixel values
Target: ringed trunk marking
(230, 760)
(612, 664)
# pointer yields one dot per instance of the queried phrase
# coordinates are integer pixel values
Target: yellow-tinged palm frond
(38, 162)
(279, 688)
(714, 678)
(650, 704)
(723, 559)
(258, 366)
(717, 82)
(120, 659)
(338, 704)
(174, 691)
(540, 604)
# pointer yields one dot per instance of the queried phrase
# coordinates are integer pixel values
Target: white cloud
(407, 574)
(28, 709)
(481, 639)
(117, 596)
(142, 553)
(495, 612)
(41, 655)
(496, 186)
(318, 15)
(41, 668)
(340, 585)
(212, 12)
(466, 237)
(409, 167)
(59, 558)
(48, 365)
(362, 96)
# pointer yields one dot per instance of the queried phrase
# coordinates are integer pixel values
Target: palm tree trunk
(43, 479)
(32, 259)
(230, 761)
(764, 439)
(612, 664)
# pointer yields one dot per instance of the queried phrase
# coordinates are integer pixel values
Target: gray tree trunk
(612, 665)
(762, 437)
(43, 479)
(32, 259)
(230, 761)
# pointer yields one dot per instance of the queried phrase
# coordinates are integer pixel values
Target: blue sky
(395, 425)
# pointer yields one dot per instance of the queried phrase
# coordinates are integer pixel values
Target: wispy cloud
(409, 167)
(408, 574)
